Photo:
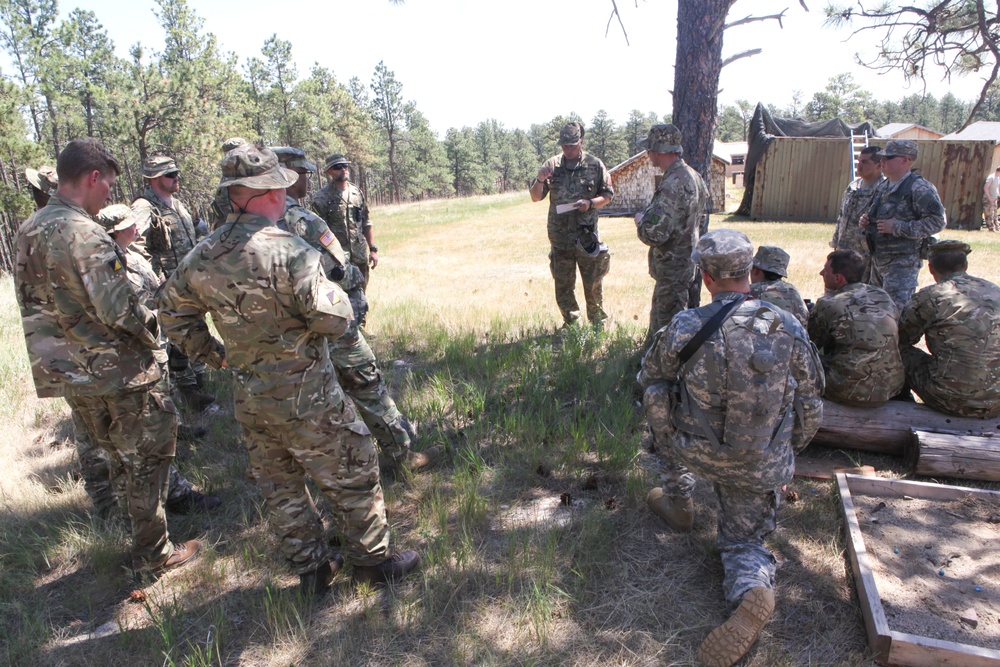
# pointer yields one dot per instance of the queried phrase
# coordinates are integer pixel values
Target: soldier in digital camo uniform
(734, 412)
(167, 234)
(671, 223)
(855, 329)
(91, 341)
(579, 179)
(357, 368)
(770, 266)
(858, 198)
(342, 205)
(275, 309)
(959, 319)
(906, 211)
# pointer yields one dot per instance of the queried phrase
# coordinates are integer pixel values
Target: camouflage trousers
(183, 373)
(746, 516)
(919, 379)
(138, 430)
(361, 379)
(563, 264)
(990, 215)
(670, 294)
(897, 275)
(335, 450)
(104, 486)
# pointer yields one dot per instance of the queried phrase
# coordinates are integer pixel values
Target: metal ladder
(858, 141)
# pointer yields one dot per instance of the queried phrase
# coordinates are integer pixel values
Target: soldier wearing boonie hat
(959, 319)
(342, 205)
(770, 265)
(671, 225)
(275, 311)
(167, 234)
(579, 184)
(220, 204)
(732, 391)
(44, 182)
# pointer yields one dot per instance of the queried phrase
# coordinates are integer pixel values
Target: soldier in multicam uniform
(220, 205)
(345, 211)
(275, 309)
(579, 179)
(770, 266)
(91, 341)
(167, 234)
(905, 212)
(858, 198)
(855, 329)
(670, 225)
(733, 410)
(959, 318)
(357, 368)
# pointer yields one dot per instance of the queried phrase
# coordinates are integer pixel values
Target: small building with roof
(910, 131)
(635, 181)
(981, 130)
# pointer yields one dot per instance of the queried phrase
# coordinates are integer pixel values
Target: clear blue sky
(525, 61)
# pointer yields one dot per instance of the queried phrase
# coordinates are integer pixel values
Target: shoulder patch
(327, 239)
(115, 264)
(333, 297)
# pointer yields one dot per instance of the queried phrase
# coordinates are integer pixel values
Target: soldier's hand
(887, 226)
(544, 173)
(583, 204)
(373, 258)
(863, 220)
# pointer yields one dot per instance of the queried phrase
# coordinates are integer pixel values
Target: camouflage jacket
(918, 215)
(960, 320)
(221, 208)
(672, 222)
(273, 307)
(166, 233)
(146, 285)
(86, 331)
(858, 339)
(589, 179)
(346, 213)
(801, 390)
(782, 294)
(849, 234)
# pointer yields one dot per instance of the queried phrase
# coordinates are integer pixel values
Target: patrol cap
(158, 165)
(293, 158)
(662, 138)
(234, 142)
(44, 178)
(335, 160)
(724, 253)
(115, 218)
(255, 167)
(772, 258)
(571, 134)
(946, 245)
(899, 147)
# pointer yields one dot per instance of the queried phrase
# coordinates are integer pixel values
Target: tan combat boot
(677, 512)
(729, 642)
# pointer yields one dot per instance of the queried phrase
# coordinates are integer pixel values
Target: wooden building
(635, 181)
(981, 131)
(737, 152)
(910, 131)
(803, 178)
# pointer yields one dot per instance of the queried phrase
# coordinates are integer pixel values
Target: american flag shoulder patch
(327, 238)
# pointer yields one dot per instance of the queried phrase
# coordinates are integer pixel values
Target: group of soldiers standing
(733, 389)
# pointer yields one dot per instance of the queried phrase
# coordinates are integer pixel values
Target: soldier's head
(231, 143)
(663, 145)
(571, 139)
(255, 181)
(843, 267)
(118, 221)
(947, 257)
(869, 164)
(162, 174)
(86, 172)
(337, 169)
(897, 158)
(44, 182)
(724, 257)
(295, 159)
(770, 263)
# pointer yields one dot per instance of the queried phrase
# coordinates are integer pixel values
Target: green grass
(464, 322)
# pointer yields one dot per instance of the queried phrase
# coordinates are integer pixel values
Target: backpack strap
(710, 328)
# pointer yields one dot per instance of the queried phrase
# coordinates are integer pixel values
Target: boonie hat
(158, 165)
(724, 253)
(662, 138)
(115, 218)
(44, 178)
(293, 158)
(234, 142)
(255, 167)
(334, 160)
(571, 134)
(771, 258)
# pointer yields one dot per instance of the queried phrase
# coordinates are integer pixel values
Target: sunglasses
(173, 175)
(338, 167)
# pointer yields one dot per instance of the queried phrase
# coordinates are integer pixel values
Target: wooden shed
(981, 130)
(907, 131)
(803, 178)
(635, 181)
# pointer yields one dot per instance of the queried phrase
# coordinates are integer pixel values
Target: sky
(527, 61)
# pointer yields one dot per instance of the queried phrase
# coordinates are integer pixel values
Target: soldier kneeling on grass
(732, 391)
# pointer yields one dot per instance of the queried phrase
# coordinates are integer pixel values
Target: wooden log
(961, 456)
(888, 429)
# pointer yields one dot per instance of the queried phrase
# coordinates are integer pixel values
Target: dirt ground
(933, 562)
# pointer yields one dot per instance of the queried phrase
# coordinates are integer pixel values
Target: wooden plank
(897, 488)
(965, 456)
(813, 468)
(917, 651)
